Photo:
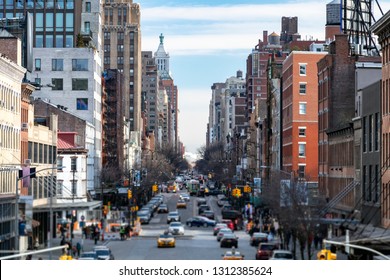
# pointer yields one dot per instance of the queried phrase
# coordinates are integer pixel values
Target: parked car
(200, 221)
(264, 250)
(144, 216)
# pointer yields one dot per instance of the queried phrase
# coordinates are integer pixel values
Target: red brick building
(300, 114)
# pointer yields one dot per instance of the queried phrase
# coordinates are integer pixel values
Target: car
(282, 255)
(222, 200)
(229, 240)
(200, 221)
(217, 227)
(173, 216)
(223, 231)
(163, 208)
(166, 240)
(90, 255)
(144, 216)
(208, 214)
(176, 228)
(257, 238)
(185, 197)
(201, 201)
(203, 208)
(229, 223)
(265, 250)
(103, 253)
(181, 204)
(232, 255)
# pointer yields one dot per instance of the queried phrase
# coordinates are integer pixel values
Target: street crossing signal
(129, 194)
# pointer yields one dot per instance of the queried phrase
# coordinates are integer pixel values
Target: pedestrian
(29, 257)
(78, 247)
(36, 244)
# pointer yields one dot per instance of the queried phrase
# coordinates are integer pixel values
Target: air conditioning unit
(27, 161)
(24, 126)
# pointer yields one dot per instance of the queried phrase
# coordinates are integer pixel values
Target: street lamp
(50, 202)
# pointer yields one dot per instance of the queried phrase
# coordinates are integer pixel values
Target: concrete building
(122, 51)
(11, 76)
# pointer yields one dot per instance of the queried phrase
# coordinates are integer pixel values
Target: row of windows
(371, 180)
(7, 182)
(41, 153)
(9, 98)
(9, 137)
(371, 132)
(37, 4)
(57, 64)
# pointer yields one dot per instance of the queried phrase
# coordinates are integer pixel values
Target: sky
(208, 41)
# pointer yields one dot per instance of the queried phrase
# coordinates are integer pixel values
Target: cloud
(206, 30)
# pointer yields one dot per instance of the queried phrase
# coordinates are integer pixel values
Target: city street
(197, 243)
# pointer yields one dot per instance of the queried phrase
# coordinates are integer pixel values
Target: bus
(193, 187)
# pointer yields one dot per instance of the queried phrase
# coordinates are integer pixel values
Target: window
(302, 131)
(59, 22)
(39, 22)
(87, 7)
(50, 4)
(60, 4)
(87, 27)
(60, 161)
(120, 48)
(107, 48)
(57, 64)
(58, 84)
(59, 41)
(120, 60)
(79, 84)
(49, 22)
(82, 104)
(69, 41)
(120, 36)
(301, 171)
(73, 164)
(377, 131)
(70, 4)
(69, 22)
(302, 149)
(39, 41)
(79, 64)
(302, 69)
(106, 60)
(107, 35)
(302, 108)
(37, 64)
(302, 88)
(370, 128)
(49, 41)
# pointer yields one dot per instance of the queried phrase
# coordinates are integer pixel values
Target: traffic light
(238, 193)
(234, 192)
(155, 188)
(326, 255)
(129, 194)
(247, 189)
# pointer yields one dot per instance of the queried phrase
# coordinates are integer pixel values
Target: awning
(68, 206)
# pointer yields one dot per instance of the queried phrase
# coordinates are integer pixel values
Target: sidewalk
(87, 245)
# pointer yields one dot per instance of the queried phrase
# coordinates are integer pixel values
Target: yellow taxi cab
(166, 240)
(232, 255)
(181, 204)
